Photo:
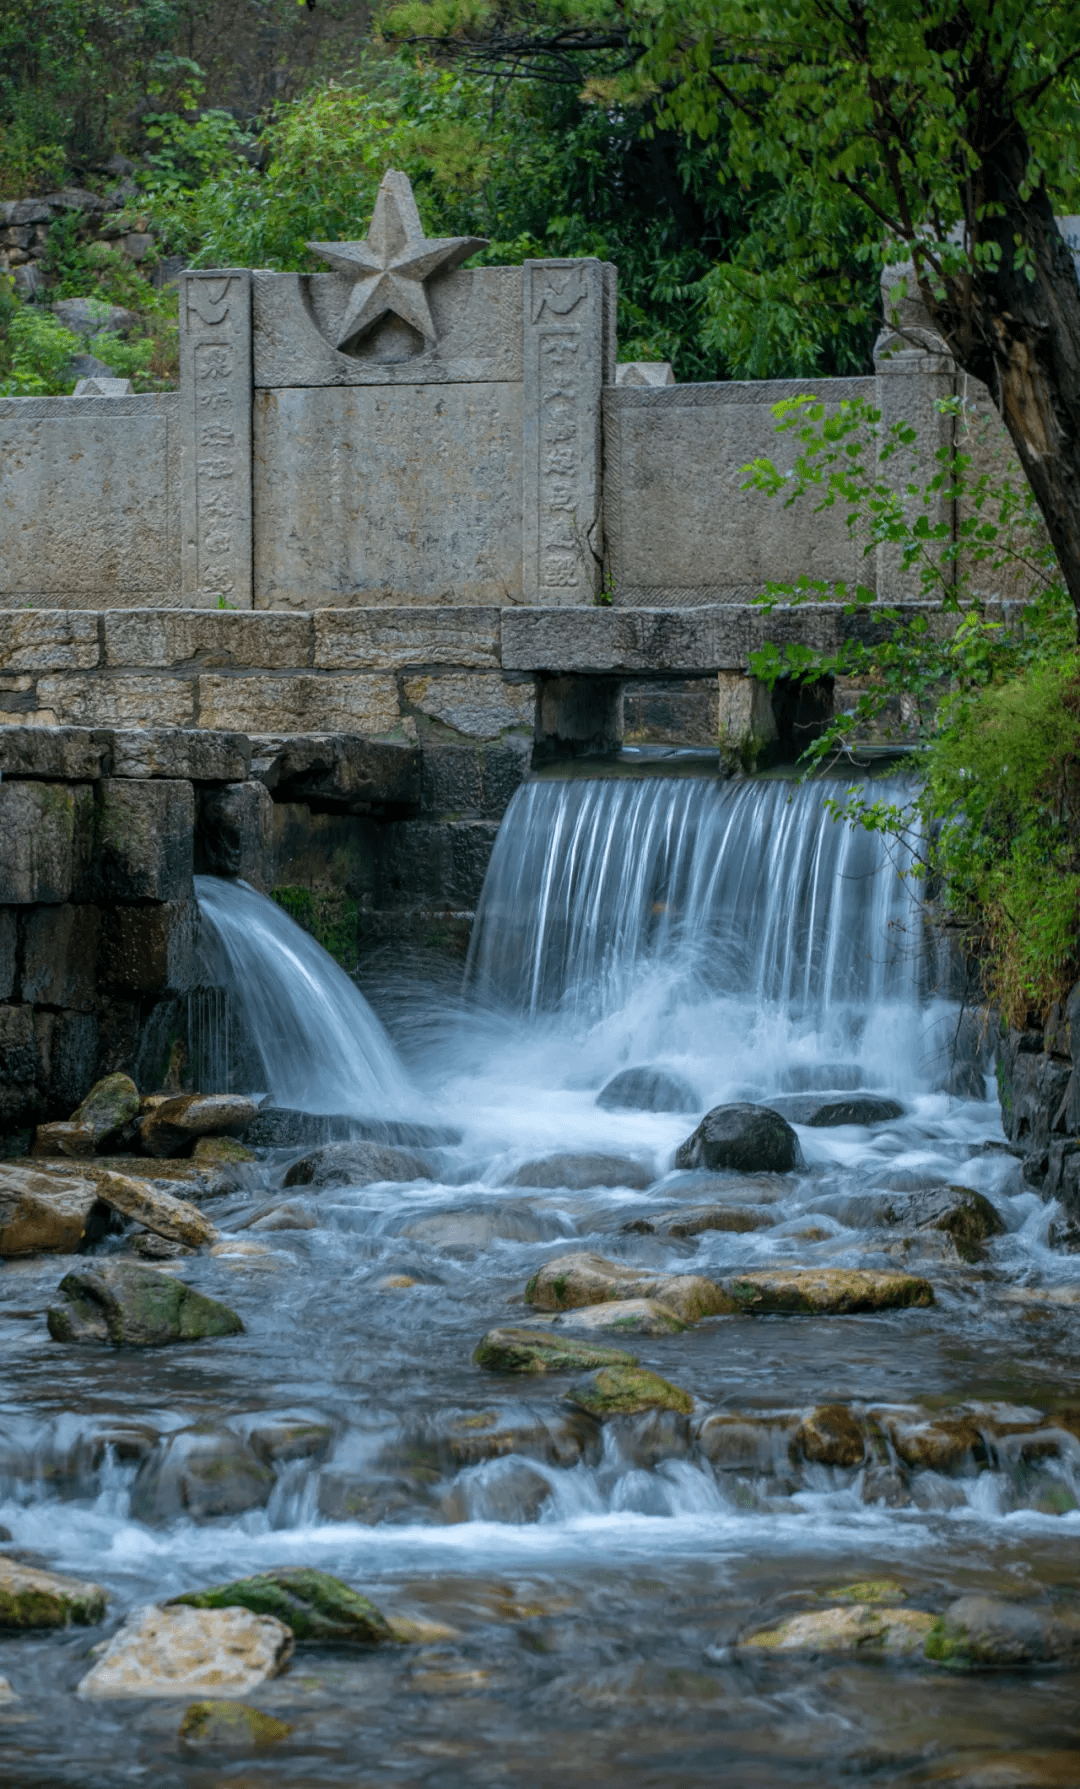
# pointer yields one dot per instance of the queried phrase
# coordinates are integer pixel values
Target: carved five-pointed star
(393, 263)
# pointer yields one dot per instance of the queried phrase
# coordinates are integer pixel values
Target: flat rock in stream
(988, 1633)
(586, 1279)
(359, 1164)
(313, 1604)
(133, 1306)
(862, 1628)
(577, 1171)
(744, 1137)
(695, 1220)
(825, 1291)
(623, 1316)
(174, 1219)
(189, 1652)
(42, 1212)
(174, 1126)
(478, 1225)
(627, 1391)
(647, 1090)
(541, 1351)
(31, 1600)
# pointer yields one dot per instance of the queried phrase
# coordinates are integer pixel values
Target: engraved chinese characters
(564, 360)
(215, 376)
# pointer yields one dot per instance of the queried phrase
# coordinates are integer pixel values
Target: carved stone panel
(566, 349)
(215, 380)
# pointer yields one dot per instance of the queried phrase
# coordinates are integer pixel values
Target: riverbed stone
(623, 1316)
(987, 1633)
(200, 1473)
(957, 1211)
(647, 1090)
(478, 1226)
(831, 1436)
(31, 1600)
(627, 1391)
(63, 1138)
(359, 1164)
(745, 1137)
(695, 1220)
(315, 1605)
(189, 1652)
(221, 1152)
(578, 1171)
(230, 1726)
(745, 1443)
(541, 1351)
(281, 1438)
(826, 1291)
(174, 1219)
(173, 1127)
(110, 1105)
(861, 1628)
(133, 1306)
(47, 1212)
(943, 1443)
(855, 1108)
(586, 1279)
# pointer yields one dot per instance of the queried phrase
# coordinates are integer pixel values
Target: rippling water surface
(596, 1582)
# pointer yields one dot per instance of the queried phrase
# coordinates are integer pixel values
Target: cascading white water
(320, 1045)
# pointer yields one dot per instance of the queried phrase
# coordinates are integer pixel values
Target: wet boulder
(174, 1219)
(47, 1212)
(647, 1090)
(230, 1725)
(359, 1164)
(221, 1152)
(173, 1126)
(455, 1438)
(944, 1443)
(504, 1491)
(479, 1225)
(831, 1436)
(957, 1211)
(750, 1443)
(695, 1220)
(277, 1439)
(584, 1279)
(577, 1172)
(856, 1108)
(622, 1317)
(63, 1139)
(541, 1351)
(861, 1628)
(133, 1306)
(200, 1473)
(285, 1127)
(750, 1139)
(31, 1600)
(188, 1652)
(627, 1391)
(987, 1633)
(313, 1604)
(826, 1291)
(109, 1107)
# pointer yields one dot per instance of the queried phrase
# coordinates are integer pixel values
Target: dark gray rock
(236, 826)
(647, 1090)
(282, 1127)
(200, 1473)
(695, 1220)
(149, 949)
(861, 1108)
(60, 754)
(8, 941)
(46, 833)
(750, 1139)
(195, 754)
(965, 1215)
(145, 840)
(579, 1171)
(130, 1305)
(60, 953)
(359, 1164)
(340, 770)
(89, 316)
(986, 1633)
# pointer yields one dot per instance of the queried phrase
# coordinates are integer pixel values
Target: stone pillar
(567, 347)
(215, 383)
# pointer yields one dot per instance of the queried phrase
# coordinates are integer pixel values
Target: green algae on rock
(586, 1279)
(133, 1306)
(31, 1600)
(831, 1436)
(110, 1104)
(989, 1633)
(825, 1291)
(313, 1604)
(627, 1391)
(858, 1628)
(232, 1724)
(541, 1351)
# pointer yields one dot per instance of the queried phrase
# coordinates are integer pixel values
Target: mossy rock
(223, 1151)
(109, 1106)
(137, 1307)
(232, 1724)
(627, 1391)
(32, 1600)
(868, 1590)
(825, 1292)
(857, 1628)
(313, 1604)
(539, 1351)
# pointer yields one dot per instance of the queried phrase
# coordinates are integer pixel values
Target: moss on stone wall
(330, 916)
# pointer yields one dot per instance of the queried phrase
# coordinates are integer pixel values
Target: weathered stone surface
(280, 1438)
(221, 1152)
(860, 1628)
(47, 639)
(744, 1137)
(189, 1652)
(623, 1316)
(230, 1725)
(627, 1391)
(579, 1171)
(192, 753)
(827, 1291)
(63, 1139)
(181, 638)
(45, 829)
(647, 1090)
(60, 947)
(394, 639)
(172, 1127)
(89, 316)
(733, 1443)
(68, 1051)
(943, 1444)
(43, 1212)
(145, 837)
(541, 1351)
(986, 1633)
(149, 949)
(361, 775)
(313, 1604)
(54, 754)
(481, 1225)
(479, 704)
(155, 699)
(158, 1211)
(110, 1105)
(32, 1599)
(831, 1436)
(308, 702)
(960, 1212)
(134, 1306)
(440, 866)
(200, 1473)
(644, 372)
(584, 1279)
(359, 1164)
(236, 826)
(9, 935)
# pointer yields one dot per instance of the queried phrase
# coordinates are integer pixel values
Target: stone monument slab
(215, 383)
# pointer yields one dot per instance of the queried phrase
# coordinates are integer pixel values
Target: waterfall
(319, 1043)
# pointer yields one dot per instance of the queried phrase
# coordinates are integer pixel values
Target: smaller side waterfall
(320, 1045)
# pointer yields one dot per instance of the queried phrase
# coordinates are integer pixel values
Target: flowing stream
(593, 1582)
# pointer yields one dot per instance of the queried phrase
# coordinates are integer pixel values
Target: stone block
(473, 779)
(608, 640)
(118, 701)
(60, 948)
(683, 713)
(194, 754)
(67, 1046)
(480, 704)
(149, 949)
(339, 770)
(644, 372)
(577, 716)
(9, 932)
(387, 494)
(19, 1062)
(48, 640)
(145, 840)
(308, 703)
(45, 830)
(436, 865)
(745, 716)
(236, 826)
(393, 639)
(60, 754)
(209, 637)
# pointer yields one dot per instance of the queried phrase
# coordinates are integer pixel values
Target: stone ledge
(86, 754)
